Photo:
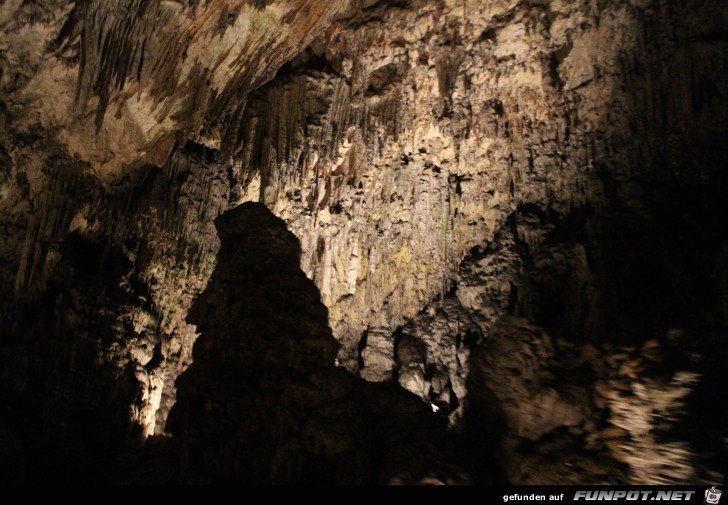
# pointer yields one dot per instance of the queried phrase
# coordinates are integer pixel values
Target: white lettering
(523, 497)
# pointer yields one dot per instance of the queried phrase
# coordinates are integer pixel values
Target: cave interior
(363, 241)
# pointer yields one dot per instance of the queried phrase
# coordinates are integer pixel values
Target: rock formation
(465, 177)
(263, 402)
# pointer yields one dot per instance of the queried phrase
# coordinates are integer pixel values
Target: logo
(652, 495)
(712, 495)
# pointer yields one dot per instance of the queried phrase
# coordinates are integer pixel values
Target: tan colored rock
(443, 164)
(631, 368)
(617, 449)
(169, 71)
(613, 432)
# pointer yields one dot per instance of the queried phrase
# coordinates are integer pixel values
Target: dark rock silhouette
(264, 403)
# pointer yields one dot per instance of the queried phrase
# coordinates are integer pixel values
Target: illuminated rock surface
(497, 201)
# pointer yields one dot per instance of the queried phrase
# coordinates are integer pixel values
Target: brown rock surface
(443, 164)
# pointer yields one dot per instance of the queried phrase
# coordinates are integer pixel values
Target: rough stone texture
(395, 146)
(103, 288)
(442, 162)
(263, 401)
(531, 408)
(433, 354)
(637, 411)
(130, 78)
(558, 412)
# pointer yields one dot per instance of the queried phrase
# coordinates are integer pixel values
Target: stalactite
(444, 166)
